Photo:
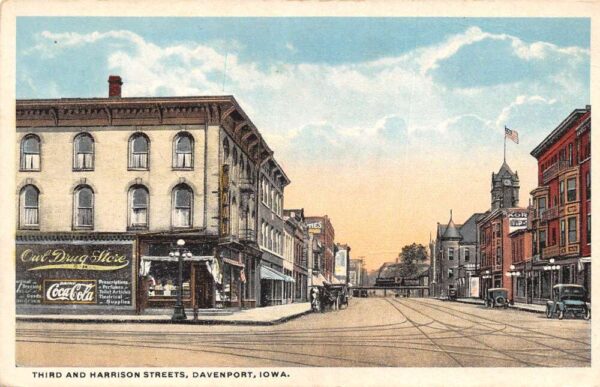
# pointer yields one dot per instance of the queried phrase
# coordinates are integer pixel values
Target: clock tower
(505, 188)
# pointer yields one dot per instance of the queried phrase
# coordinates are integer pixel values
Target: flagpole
(505, 144)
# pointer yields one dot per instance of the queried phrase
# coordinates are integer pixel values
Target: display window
(163, 281)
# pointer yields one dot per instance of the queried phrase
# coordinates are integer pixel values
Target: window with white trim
(30, 153)
(138, 207)
(83, 207)
(83, 148)
(183, 200)
(139, 149)
(29, 212)
(183, 149)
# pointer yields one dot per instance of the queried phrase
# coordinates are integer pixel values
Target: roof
(393, 270)
(505, 169)
(559, 131)
(469, 229)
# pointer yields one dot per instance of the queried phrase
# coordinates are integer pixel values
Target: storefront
(75, 273)
(273, 285)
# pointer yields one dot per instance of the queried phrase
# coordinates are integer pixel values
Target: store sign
(315, 227)
(474, 287)
(517, 220)
(341, 263)
(94, 274)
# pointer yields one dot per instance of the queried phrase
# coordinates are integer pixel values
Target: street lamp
(552, 267)
(180, 252)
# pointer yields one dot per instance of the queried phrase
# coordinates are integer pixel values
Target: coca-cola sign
(70, 291)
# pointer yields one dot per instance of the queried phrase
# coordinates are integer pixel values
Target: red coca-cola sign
(69, 291)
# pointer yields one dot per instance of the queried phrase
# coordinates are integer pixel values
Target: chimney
(114, 86)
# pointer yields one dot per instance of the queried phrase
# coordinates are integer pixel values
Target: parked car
(497, 297)
(568, 299)
(452, 294)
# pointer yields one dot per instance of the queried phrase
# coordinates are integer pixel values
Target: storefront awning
(274, 275)
(166, 258)
(233, 263)
(319, 280)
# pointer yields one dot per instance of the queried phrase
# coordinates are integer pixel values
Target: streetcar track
(537, 342)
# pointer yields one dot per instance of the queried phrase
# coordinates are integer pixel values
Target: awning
(166, 258)
(581, 261)
(274, 275)
(319, 280)
(233, 262)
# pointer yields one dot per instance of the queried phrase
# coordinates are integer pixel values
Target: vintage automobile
(568, 299)
(452, 294)
(497, 297)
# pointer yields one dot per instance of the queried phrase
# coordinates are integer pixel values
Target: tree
(409, 259)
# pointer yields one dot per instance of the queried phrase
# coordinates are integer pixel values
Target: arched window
(29, 212)
(183, 198)
(183, 147)
(138, 207)
(83, 148)
(83, 207)
(139, 148)
(30, 153)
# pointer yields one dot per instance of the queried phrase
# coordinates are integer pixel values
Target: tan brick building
(106, 186)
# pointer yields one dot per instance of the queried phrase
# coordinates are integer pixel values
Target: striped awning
(274, 275)
(166, 258)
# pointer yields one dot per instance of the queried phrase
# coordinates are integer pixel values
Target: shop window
(30, 153)
(29, 207)
(572, 223)
(571, 190)
(163, 280)
(138, 204)
(520, 287)
(566, 274)
(139, 149)
(83, 207)
(535, 284)
(182, 206)
(546, 283)
(83, 159)
(183, 147)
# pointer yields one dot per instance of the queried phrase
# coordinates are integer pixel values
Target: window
(542, 240)
(138, 204)
(467, 255)
(29, 211)
(571, 190)
(83, 207)
(588, 186)
(534, 243)
(84, 152)
(498, 256)
(138, 151)
(561, 191)
(541, 206)
(589, 229)
(572, 223)
(450, 273)
(562, 232)
(225, 149)
(30, 153)
(182, 206)
(450, 253)
(183, 150)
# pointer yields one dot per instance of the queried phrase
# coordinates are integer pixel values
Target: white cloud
(360, 106)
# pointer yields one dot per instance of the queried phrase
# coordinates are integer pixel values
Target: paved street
(372, 332)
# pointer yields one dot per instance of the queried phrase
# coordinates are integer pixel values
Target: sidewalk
(533, 308)
(270, 315)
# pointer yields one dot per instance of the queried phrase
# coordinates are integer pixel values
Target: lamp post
(180, 252)
(552, 267)
(512, 274)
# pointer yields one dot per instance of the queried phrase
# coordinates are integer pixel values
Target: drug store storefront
(75, 273)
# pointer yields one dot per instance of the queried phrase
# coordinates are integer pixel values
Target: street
(371, 332)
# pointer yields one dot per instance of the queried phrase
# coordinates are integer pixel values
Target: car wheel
(587, 314)
(549, 311)
(561, 314)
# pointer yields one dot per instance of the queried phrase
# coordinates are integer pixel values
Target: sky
(384, 124)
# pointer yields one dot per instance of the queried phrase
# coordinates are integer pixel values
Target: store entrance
(204, 283)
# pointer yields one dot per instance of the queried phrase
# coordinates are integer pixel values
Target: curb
(84, 320)
(509, 307)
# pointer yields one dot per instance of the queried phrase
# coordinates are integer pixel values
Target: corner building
(105, 188)
(562, 207)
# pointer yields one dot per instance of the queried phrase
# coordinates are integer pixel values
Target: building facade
(106, 186)
(322, 231)
(276, 279)
(357, 274)
(297, 251)
(561, 227)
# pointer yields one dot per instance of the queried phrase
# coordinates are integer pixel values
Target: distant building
(296, 250)
(390, 275)
(358, 273)
(341, 263)
(321, 230)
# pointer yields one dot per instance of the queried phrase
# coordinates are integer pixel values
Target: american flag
(512, 134)
(242, 276)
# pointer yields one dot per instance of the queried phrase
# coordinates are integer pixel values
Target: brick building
(296, 247)
(323, 233)
(561, 227)
(106, 186)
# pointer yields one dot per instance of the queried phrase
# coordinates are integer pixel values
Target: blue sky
(349, 96)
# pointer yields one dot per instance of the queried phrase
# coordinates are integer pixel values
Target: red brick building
(562, 207)
(520, 251)
(324, 233)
